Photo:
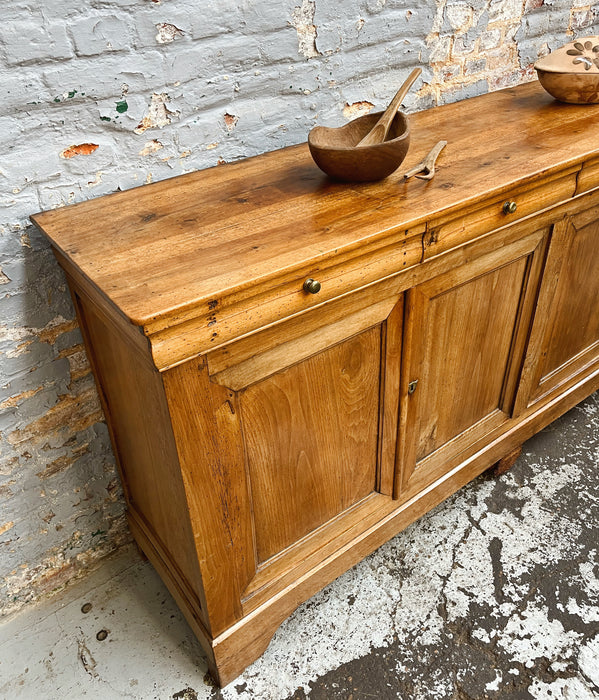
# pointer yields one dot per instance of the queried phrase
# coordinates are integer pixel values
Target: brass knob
(312, 286)
(509, 207)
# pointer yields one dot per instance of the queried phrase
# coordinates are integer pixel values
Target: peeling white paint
(96, 181)
(437, 578)
(159, 115)
(14, 334)
(6, 527)
(150, 147)
(357, 109)
(587, 613)
(588, 660)
(587, 574)
(461, 17)
(494, 685)
(248, 54)
(167, 33)
(447, 557)
(303, 21)
(562, 689)
(531, 635)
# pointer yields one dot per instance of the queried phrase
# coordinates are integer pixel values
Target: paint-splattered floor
(494, 594)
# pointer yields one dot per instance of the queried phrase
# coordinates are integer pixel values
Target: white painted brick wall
(149, 83)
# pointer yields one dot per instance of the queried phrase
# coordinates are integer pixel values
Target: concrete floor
(494, 594)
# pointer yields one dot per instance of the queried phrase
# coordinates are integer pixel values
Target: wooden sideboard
(271, 434)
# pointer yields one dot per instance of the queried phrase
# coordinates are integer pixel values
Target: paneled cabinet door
(315, 400)
(564, 343)
(464, 340)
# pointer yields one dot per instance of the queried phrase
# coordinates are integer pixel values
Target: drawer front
(255, 357)
(223, 320)
(449, 232)
(237, 316)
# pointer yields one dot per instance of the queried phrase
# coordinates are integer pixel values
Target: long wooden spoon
(378, 133)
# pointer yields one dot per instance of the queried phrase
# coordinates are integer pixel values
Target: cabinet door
(465, 334)
(314, 402)
(564, 342)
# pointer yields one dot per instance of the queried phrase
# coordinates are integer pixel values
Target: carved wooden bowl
(335, 151)
(571, 73)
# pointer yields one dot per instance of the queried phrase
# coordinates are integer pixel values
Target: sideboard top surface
(160, 249)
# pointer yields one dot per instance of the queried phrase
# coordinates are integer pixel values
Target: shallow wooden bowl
(335, 151)
(571, 73)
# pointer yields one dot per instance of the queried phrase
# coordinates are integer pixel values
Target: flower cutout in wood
(586, 54)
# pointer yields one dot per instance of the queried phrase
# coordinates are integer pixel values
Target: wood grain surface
(574, 323)
(311, 437)
(565, 336)
(170, 250)
(466, 343)
(135, 404)
(466, 333)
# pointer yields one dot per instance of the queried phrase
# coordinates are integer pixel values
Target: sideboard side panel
(134, 402)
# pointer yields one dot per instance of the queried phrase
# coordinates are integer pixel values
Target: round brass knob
(509, 207)
(312, 286)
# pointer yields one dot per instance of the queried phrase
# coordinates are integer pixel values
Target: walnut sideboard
(293, 369)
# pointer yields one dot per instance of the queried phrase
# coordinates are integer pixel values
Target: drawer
(255, 357)
(451, 231)
(228, 318)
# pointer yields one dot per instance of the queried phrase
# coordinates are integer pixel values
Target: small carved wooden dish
(571, 73)
(336, 152)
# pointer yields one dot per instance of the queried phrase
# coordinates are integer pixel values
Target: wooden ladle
(378, 133)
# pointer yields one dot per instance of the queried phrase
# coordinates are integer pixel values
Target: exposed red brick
(82, 149)
(71, 413)
(357, 109)
(51, 332)
(13, 401)
(230, 121)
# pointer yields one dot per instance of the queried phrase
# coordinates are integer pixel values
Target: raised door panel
(311, 440)
(465, 336)
(565, 338)
(467, 343)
